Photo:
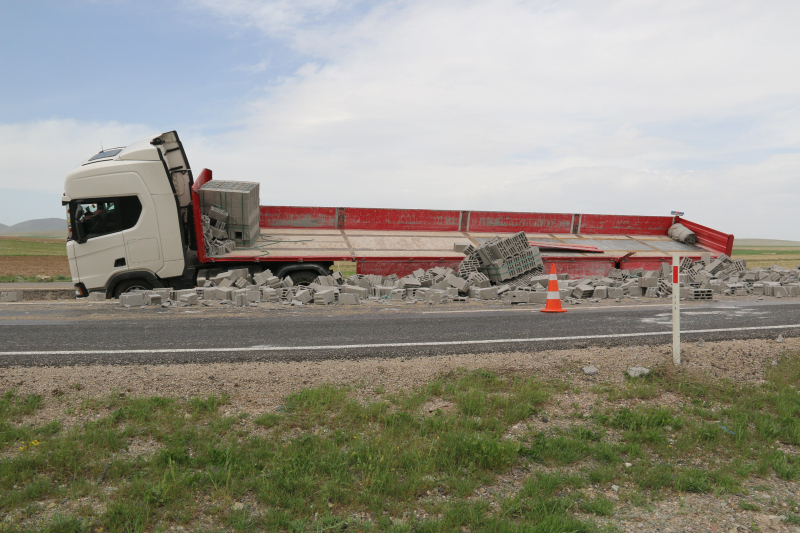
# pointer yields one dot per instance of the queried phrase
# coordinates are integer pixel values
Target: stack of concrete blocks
(240, 200)
(503, 260)
(215, 235)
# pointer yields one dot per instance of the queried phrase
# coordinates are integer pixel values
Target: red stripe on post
(674, 274)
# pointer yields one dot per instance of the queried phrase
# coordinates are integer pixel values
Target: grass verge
(425, 460)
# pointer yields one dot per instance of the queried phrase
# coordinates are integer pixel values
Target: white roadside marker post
(676, 312)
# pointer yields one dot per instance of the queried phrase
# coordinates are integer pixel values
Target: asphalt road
(69, 334)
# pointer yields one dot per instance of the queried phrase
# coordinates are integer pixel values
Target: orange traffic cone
(553, 296)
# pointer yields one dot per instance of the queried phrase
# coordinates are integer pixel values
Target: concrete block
(131, 299)
(700, 294)
(227, 282)
(601, 291)
(153, 298)
(325, 297)
(96, 296)
(459, 283)
(583, 291)
(262, 277)
(268, 294)
(164, 293)
(303, 296)
(519, 297)
(537, 297)
(451, 292)
(647, 282)
(189, 299)
(346, 298)
(360, 292)
(780, 292)
(435, 297)
(651, 292)
(487, 293)
(240, 299)
(225, 293)
(398, 294)
(635, 291)
(253, 295)
(615, 292)
(410, 282)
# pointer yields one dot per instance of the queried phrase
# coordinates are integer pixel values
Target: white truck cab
(128, 216)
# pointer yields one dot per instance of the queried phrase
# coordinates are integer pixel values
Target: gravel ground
(258, 387)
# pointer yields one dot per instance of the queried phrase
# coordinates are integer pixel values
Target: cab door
(98, 242)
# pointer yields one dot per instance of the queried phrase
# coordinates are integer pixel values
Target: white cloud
(513, 105)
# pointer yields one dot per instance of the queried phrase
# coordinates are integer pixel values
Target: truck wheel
(303, 277)
(131, 285)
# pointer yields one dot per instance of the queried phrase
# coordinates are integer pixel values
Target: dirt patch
(259, 387)
(42, 265)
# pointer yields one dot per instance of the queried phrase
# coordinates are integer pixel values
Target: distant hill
(757, 243)
(44, 227)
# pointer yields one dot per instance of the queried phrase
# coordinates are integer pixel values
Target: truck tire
(303, 277)
(131, 284)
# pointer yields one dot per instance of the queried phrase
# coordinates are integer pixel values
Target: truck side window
(102, 216)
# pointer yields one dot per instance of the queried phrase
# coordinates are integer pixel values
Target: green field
(326, 461)
(28, 246)
(788, 257)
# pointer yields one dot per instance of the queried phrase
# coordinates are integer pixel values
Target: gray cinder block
(153, 298)
(325, 297)
(96, 296)
(131, 299)
(189, 299)
(348, 299)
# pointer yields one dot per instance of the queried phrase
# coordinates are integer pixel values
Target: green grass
(19, 246)
(324, 457)
(32, 279)
(785, 256)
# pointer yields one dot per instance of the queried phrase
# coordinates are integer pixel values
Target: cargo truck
(134, 221)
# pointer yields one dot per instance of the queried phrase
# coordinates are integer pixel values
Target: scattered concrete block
(346, 298)
(487, 293)
(615, 292)
(96, 296)
(601, 291)
(189, 299)
(325, 297)
(153, 298)
(537, 297)
(131, 299)
(700, 294)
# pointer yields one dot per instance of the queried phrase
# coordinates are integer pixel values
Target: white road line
(268, 348)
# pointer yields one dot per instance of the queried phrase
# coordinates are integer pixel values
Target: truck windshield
(105, 153)
(103, 216)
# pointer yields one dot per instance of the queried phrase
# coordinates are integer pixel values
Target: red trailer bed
(387, 241)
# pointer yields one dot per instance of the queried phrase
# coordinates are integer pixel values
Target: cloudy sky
(629, 106)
